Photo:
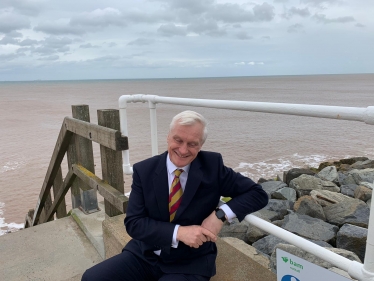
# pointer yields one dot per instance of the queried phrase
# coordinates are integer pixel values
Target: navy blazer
(147, 217)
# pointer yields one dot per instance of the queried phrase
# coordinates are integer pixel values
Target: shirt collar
(171, 167)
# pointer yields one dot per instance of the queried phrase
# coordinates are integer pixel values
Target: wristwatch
(220, 214)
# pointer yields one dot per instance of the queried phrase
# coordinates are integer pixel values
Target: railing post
(80, 152)
(47, 206)
(57, 186)
(127, 169)
(111, 161)
(152, 113)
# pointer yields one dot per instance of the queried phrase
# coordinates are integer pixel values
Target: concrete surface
(91, 225)
(56, 250)
(232, 264)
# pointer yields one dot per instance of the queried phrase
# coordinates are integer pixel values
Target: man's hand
(195, 235)
(212, 223)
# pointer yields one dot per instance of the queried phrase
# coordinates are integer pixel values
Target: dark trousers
(127, 267)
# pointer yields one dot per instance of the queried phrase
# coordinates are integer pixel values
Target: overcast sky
(110, 39)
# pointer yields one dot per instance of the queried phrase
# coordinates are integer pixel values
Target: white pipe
(321, 111)
(369, 253)
(153, 117)
(352, 267)
(127, 169)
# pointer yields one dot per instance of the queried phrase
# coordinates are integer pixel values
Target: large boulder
(272, 186)
(348, 189)
(367, 164)
(352, 238)
(254, 233)
(366, 175)
(353, 211)
(329, 173)
(267, 244)
(281, 207)
(234, 229)
(307, 205)
(306, 183)
(285, 193)
(363, 193)
(310, 228)
(295, 173)
(327, 198)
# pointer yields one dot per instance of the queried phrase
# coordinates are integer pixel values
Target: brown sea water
(256, 144)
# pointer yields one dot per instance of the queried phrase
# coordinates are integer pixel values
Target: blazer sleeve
(139, 222)
(247, 196)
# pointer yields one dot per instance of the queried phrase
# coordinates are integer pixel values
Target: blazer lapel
(161, 187)
(195, 176)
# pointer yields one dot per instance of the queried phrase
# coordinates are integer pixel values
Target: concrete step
(57, 250)
(232, 264)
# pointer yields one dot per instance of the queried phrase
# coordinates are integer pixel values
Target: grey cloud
(9, 57)
(28, 42)
(10, 22)
(295, 28)
(112, 44)
(323, 19)
(233, 13)
(192, 6)
(296, 12)
(319, 2)
(52, 45)
(50, 58)
(359, 25)
(203, 26)
(8, 40)
(99, 18)
(172, 30)
(26, 7)
(141, 42)
(58, 28)
(14, 34)
(243, 36)
(88, 46)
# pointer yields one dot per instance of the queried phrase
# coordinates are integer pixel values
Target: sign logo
(285, 259)
(289, 278)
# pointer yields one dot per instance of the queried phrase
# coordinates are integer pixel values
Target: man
(172, 214)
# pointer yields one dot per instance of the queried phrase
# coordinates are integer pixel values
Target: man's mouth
(181, 156)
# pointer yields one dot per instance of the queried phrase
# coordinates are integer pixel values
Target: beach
(255, 144)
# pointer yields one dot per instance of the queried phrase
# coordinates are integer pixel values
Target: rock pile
(329, 206)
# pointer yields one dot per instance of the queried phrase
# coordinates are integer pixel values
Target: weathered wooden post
(57, 186)
(111, 161)
(80, 152)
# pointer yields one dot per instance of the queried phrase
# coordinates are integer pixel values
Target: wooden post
(57, 185)
(47, 206)
(81, 152)
(111, 161)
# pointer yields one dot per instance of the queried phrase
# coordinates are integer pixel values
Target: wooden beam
(28, 219)
(105, 136)
(56, 159)
(111, 160)
(115, 197)
(58, 184)
(70, 177)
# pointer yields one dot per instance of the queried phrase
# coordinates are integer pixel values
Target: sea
(254, 144)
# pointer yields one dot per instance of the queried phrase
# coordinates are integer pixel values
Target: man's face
(184, 143)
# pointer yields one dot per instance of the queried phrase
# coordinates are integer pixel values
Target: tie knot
(178, 172)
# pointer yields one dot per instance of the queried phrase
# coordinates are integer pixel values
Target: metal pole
(153, 117)
(368, 269)
(127, 169)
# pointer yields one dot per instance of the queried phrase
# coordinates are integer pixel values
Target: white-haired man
(172, 214)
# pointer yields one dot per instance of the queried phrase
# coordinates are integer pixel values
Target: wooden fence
(75, 140)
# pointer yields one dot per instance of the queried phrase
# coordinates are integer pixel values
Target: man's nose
(183, 149)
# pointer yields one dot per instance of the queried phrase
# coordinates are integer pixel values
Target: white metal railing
(362, 272)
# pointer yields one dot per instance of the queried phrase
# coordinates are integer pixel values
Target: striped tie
(175, 196)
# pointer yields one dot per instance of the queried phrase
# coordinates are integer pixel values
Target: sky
(130, 39)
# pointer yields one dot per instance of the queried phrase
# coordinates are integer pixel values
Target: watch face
(221, 215)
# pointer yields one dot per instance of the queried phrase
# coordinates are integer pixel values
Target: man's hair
(188, 118)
